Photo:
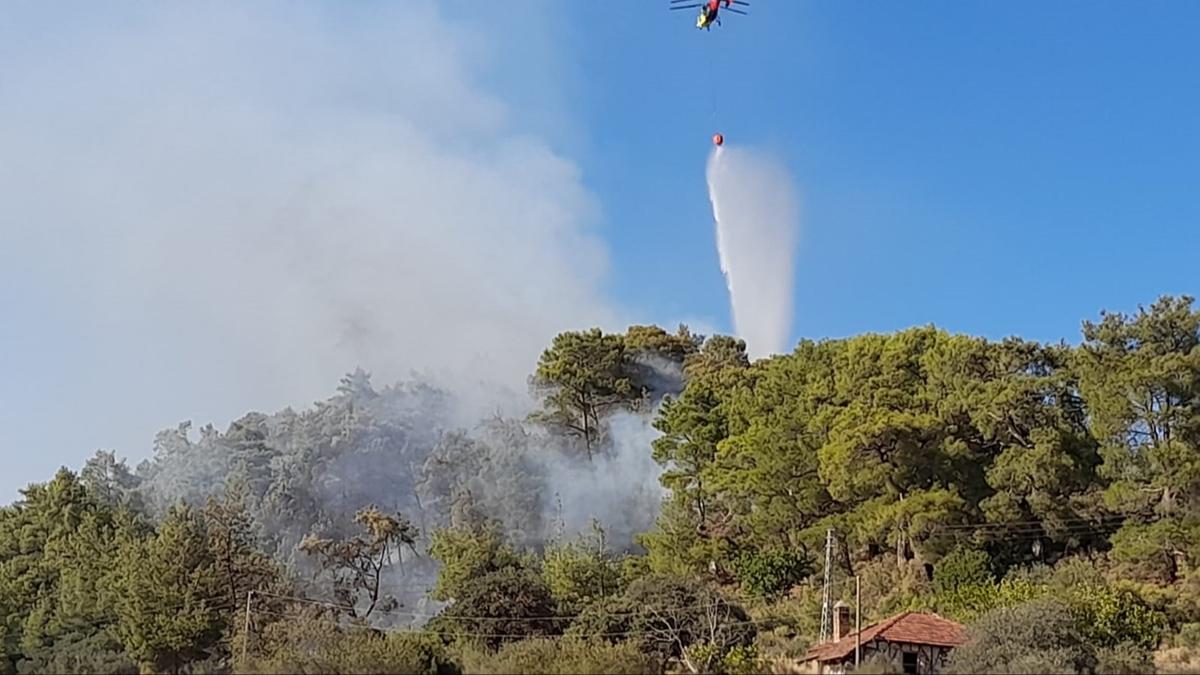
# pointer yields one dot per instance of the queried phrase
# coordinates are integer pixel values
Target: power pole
(857, 621)
(826, 592)
(246, 629)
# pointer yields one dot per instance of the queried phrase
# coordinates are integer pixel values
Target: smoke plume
(756, 211)
(210, 209)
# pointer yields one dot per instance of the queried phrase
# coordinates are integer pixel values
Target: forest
(664, 506)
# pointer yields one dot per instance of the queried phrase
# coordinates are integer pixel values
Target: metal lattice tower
(827, 591)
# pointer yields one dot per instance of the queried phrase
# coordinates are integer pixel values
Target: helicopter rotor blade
(736, 11)
(685, 6)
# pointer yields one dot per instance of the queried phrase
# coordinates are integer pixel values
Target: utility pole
(246, 629)
(826, 592)
(857, 621)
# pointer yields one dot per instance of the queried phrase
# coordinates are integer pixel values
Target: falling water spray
(757, 216)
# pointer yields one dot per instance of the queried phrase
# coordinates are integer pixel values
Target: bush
(1074, 572)
(665, 615)
(561, 657)
(1147, 551)
(769, 573)
(1039, 636)
(1111, 617)
(316, 644)
(578, 575)
(1188, 636)
(968, 602)
(709, 657)
(962, 567)
(505, 605)
(1125, 659)
(741, 660)
(1179, 602)
(467, 553)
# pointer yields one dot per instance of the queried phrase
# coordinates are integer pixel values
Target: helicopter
(710, 10)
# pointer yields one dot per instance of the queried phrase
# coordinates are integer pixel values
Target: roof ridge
(878, 630)
(892, 620)
(878, 627)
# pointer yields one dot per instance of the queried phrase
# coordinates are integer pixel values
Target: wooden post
(857, 621)
(246, 630)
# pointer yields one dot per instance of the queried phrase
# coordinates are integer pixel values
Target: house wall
(930, 659)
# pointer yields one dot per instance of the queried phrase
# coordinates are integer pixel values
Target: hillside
(665, 507)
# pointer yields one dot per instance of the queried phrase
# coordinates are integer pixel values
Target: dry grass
(1177, 660)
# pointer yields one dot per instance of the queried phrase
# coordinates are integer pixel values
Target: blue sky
(994, 168)
(220, 209)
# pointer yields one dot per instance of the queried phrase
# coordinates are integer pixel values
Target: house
(919, 643)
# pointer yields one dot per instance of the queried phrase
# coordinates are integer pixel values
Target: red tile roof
(910, 627)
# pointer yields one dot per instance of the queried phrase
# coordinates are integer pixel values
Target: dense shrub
(1125, 659)
(556, 656)
(962, 567)
(967, 603)
(501, 606)
(314, 644)
(1039, 636)
(1110, 617)
(578, 574)
(769, 573)
(667, 615)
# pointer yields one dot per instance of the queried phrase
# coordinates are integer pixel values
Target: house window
(910, 662)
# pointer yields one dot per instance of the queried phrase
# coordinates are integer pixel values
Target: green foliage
(668, 615)
(468, 553)
(80, 651)
(718, 353)
(1033, 637)
(168, 605)
(1188, 636)
(652, 340)
(313, 643)
(562, 657)
(1154, 551)
(1111, 617)
(1105, 616)
(580, 573)
(768, 573)
(692, 425)
(710, 657)
(239, 564)
(581, 377)
(1075, 471)
(968, 602)
(1140, 375)
(962, 567)
(58, 559)
(501, 606)
(1124, 659)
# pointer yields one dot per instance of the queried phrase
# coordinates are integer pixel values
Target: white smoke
(757, 215)
(214, 208)
(210, 210)
(619, 489)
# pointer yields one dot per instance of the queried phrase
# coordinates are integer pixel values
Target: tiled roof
(910, 627)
